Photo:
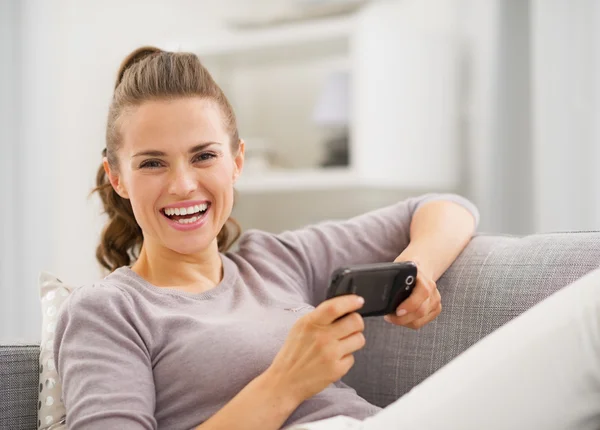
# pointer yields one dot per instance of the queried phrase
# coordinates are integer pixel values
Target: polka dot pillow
(51, 410)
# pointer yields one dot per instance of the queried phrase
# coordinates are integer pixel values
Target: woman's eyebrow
(155, 153)
(150, 153)
(202, 146)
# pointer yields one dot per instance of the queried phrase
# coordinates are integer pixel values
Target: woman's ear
(239, 160)
(115, 180)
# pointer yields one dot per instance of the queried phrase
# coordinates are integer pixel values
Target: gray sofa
(495, 279)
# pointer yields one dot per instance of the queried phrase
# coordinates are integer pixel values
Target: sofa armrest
(495, 279)
(19, 379)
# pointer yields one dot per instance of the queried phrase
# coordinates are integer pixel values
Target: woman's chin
(191, 246)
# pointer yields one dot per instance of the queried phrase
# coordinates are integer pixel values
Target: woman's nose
(183, 182)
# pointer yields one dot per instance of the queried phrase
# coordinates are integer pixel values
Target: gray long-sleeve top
(135, 356)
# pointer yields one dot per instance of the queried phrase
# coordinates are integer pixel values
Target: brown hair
(149, 73)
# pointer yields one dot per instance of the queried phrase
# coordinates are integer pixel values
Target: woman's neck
(188, 272)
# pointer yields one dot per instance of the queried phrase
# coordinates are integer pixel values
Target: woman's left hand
(423, 305)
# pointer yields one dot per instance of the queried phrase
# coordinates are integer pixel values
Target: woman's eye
(150, 164)
(204, 156)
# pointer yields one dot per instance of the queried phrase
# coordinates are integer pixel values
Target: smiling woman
(186, 334)
(156, 119)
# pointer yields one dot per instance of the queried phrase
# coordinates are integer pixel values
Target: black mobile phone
(383, 285)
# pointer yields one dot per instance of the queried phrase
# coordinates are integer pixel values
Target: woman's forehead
(173, 124)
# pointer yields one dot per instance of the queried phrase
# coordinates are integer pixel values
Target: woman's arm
(103, 362)
(108, 382)
(308, 256)
(263, 404)
(317, 352)
(439, 231)
(107, 374)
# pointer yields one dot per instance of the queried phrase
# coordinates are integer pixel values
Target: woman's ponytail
(121, 237)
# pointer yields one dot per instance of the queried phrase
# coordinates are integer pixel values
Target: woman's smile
(186, 216)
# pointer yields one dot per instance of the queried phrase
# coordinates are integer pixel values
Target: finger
(437, 298)
(435, 305)
(421, 322)
(346, 363)
(348, 325)
(422, 312)
(351, 344)
(422, 291)
(435, 301)
(332, 309)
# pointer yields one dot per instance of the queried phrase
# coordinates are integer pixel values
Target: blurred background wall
(518, 134)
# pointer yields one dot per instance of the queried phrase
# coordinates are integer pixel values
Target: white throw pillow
(51, 410)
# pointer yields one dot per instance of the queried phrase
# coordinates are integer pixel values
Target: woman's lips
(187, 222)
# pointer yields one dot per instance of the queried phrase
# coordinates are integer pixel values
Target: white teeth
(188, 220)
(186, 211)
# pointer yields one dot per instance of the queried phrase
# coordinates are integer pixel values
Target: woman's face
(177, 169)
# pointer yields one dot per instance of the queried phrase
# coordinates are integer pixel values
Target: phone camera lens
(410, 280)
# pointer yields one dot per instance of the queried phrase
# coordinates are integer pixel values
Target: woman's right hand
(319, 347)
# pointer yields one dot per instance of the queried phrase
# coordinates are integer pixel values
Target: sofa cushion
(51, 409)
(19, 386)
(494, 280)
